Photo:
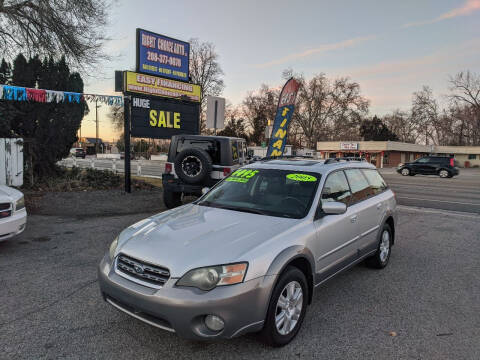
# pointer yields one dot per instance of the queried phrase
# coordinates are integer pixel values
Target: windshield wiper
(235, 208)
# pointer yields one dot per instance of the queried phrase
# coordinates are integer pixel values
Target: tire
(172, 199)
(280, 336)
(444, 173)
(379, 260)
(193, 165)
(405, 171)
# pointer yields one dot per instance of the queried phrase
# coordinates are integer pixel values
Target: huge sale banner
(162, 56)
(286, 105)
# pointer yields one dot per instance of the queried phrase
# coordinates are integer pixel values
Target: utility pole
(96, 122)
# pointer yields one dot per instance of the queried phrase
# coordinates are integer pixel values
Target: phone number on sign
(164, 59)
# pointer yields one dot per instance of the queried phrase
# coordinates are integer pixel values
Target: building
(391, 153)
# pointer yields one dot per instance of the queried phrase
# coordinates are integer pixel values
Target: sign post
(126, 113)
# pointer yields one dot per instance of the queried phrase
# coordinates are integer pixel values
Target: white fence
(146, 168)
(11, 162)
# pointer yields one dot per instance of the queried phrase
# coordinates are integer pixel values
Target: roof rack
(332, 160)
(286, 157)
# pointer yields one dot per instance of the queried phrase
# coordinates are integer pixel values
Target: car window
(235, 152)
(422, 160)
(377, 184)
(358, 184)
(209, 146)
(336, 188)
(273, 192)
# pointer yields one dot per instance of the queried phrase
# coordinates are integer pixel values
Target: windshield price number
(242, 175)
(301, 177)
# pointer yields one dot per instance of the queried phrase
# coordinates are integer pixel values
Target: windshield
(265, 191)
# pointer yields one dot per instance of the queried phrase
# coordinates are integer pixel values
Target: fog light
(214, 323)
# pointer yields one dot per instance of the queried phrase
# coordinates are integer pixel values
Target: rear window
(210, 146)
(359, 185)
(377, 184)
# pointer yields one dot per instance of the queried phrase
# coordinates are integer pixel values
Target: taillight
(168, 168)
(226, 171)
(452, 162)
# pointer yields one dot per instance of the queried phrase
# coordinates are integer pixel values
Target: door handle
(354, 218)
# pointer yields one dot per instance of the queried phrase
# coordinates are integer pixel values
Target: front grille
(4, 206)
(140, 270)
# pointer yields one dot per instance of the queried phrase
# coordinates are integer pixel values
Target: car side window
(359, 185)
(422, 160)
(336, 188)
(377, 184)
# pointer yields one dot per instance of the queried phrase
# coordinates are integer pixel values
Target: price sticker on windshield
(301, 177)
(242, 175)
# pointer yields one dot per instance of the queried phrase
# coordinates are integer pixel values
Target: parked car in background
(13, 215)
(196, 161)
(248, 254)
(443, 166)
(78, 153)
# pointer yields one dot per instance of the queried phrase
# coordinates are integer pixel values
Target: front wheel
(405, 171)
(380, 259)
(287, 308)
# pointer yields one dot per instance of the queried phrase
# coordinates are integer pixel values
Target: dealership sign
(157, 86)
(162, 56)
(161, 118)
(348, 146)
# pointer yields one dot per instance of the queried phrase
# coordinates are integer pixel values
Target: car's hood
(8, 194)
(194, 236)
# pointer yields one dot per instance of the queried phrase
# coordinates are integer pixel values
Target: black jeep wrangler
(195, 162)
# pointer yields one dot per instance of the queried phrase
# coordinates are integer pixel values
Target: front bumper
(13, 225)
(182, 310)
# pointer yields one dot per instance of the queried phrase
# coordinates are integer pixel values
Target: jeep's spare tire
(193, 165)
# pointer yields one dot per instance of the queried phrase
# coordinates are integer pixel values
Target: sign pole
(215, 117)
(126, 130)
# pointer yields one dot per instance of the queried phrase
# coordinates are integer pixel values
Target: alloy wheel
(289, 308)
(191, 166)
(405, 172)
(443, 173)
(385, 246)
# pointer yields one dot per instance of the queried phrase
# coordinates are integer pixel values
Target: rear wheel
(193, 165)
(444, 173)
(380, 259)
(405, 171)
(287, 308)
(172, 199)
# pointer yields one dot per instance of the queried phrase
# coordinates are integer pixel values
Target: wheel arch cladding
(299, 257)
(389, 221)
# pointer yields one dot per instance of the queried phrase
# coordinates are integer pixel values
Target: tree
(116, 117)
(235, 125)
(401, 124)
(425, 114)
(259, 108)
(376, 130)
(48, 129)
(75, 29)
(465, 91)
(205, 70)
(329, 109)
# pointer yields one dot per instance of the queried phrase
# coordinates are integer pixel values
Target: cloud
(321, 49)
(467, 8)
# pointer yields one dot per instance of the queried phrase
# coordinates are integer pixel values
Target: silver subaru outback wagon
(248, 255)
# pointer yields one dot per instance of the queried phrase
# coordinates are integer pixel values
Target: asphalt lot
(429, 295)
(460, 193)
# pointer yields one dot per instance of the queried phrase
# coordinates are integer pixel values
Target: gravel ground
(50, 305)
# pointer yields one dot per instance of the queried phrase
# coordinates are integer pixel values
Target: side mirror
(205, 190)
(334, 208)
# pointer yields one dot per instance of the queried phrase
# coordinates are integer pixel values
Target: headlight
(400, 165)
(210, 277)
(113, 248)
(20, 204)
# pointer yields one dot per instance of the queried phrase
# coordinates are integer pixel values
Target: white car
(13, 215)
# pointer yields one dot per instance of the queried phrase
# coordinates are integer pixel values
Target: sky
(391, 48)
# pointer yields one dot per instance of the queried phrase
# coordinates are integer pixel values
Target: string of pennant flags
(17, 93)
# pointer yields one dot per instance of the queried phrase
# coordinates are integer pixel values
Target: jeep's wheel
(172, 199)
(287, 308)
(443, 173)
(380, 259)
(193, 165)
(405, 171)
